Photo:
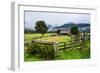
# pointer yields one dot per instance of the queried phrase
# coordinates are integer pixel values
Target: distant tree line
(42, 28)
(29, 31)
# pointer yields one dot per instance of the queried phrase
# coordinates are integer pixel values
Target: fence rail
(65, 45)
(62, 45)
(54, 44)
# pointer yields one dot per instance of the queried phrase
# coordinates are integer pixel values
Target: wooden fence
(64, 45)
(79, 44)
(54, 44)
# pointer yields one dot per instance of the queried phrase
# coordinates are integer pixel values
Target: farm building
(64, 31)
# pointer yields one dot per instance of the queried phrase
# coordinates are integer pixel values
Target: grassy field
(56, 39)
(63, 55)
(30, 37)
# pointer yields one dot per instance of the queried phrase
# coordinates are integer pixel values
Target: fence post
(64, 46)
(83, 40)
(55, 44)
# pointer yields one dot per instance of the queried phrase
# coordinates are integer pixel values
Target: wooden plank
(42, 42)
(65, 47)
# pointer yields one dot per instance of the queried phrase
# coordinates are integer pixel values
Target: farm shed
(64, 31)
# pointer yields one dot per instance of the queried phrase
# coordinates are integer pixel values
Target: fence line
(65, 45)
(54, 44)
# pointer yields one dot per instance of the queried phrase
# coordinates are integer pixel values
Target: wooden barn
(64, 32)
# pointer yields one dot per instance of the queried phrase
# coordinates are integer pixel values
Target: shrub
(26, 43)
(44, 51)
(74, 30)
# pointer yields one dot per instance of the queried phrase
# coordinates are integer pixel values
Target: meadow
(63, 54)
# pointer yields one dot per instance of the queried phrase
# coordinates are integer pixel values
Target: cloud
(54, 19)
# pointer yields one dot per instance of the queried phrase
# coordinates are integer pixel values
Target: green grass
(63, 55)
(57, 39)
(29, 37)
(31, 58)
(71, 54)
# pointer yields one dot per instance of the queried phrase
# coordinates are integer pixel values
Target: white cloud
(54, 18)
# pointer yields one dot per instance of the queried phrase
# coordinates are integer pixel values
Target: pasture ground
(63, 55)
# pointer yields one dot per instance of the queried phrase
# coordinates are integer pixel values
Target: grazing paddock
(30, 37)
(57, 38)
(64, 54)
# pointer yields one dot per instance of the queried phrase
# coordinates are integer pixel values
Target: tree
(74, 34)
(41, 27)
(58, 31)
(74, 30)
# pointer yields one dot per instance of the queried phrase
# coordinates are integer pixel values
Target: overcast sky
(54, 19)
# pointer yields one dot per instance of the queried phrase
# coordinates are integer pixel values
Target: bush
(26, 43)
(44, 51)
(74, 30)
